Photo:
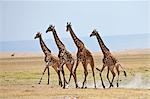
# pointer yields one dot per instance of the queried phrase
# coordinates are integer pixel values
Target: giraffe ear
(53, 26)
(70, 23)
(67, 23)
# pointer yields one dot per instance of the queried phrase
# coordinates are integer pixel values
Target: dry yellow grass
(49, 92)
(19, 76)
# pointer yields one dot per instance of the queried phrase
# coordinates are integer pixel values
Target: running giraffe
(83, 55)
(49, 59)
(108, 61)
(64, 55)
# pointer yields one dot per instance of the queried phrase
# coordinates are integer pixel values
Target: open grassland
(19, 76)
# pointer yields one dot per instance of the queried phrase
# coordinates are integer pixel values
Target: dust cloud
(137, 82)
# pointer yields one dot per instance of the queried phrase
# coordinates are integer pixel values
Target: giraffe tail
(98, 69)
(125, 74)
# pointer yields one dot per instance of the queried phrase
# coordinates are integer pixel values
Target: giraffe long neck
(77, 41)
(44, 47)
(59, 44)
(104, 49)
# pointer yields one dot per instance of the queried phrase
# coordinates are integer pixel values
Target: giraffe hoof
(110, 86)
(86, 87)
(60, 84)
(117, 85)
(77, 86)
(104, 87)
(39, 83)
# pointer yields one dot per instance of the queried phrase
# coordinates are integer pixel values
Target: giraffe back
(84, 55)
(65, 55)
(109, 60)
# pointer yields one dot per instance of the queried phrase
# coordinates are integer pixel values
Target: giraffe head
(50, 28)
(68, 26)
(38, 35)
(94, 33)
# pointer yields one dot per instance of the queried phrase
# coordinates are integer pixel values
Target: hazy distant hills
(114, 43)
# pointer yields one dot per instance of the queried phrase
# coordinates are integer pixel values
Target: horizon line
(76, 51)
(79, 36)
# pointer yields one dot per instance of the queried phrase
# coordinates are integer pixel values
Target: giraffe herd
(83, 55)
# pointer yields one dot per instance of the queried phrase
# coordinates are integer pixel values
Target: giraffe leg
(58, 73)
(92, 66)
(69, 78)
(85, 73)
(62, 70)
(113, 73)
(75, 76)
(42, 75)
(108, 75)
(62, 61)
(60, 81)
(63, 77)
(125, 74)
(48, 75)
(118, 72)
(70, 67)
(101, 74)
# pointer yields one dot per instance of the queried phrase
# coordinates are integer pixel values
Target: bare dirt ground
(20, 74)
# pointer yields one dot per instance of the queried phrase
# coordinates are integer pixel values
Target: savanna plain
(19, 76)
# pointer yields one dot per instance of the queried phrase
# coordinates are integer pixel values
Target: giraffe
(64, 55)
(83, 55)
(49, 59)
(109, 61)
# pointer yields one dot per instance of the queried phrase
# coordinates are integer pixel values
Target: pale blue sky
(20, 20)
